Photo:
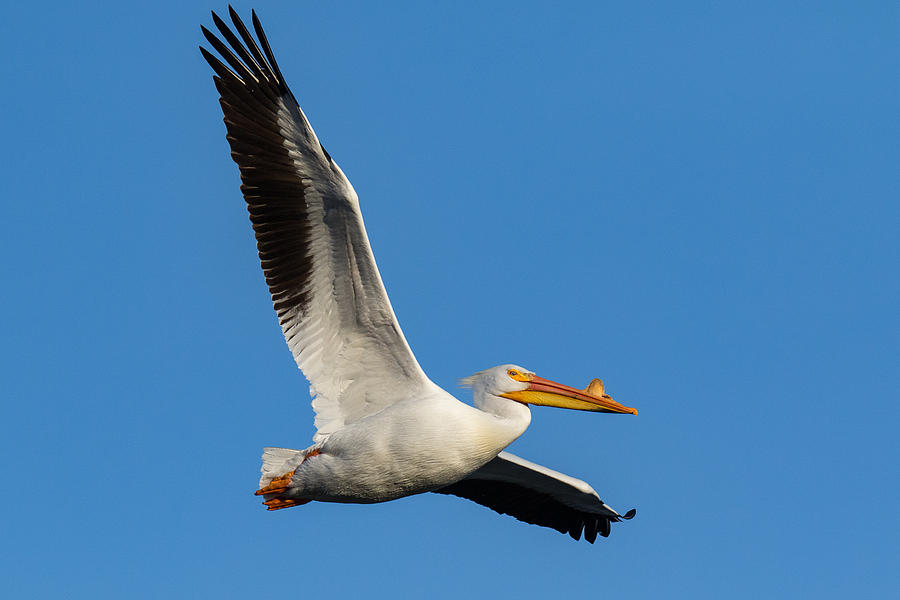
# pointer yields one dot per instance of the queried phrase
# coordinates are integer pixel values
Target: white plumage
(384, 430)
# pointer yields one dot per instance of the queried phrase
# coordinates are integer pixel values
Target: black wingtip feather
(590, 530)
(236, 65)
(251, 43)
(261, 35)
(217, 66)
(605, 527)
(238, 47)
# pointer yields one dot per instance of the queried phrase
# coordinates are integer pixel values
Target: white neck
(511, 416)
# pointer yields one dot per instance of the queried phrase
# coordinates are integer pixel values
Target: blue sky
(697, 202)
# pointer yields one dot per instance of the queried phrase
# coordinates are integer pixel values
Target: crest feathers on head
(468, 382)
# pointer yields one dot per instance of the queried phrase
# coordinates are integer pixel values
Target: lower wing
(534, 494)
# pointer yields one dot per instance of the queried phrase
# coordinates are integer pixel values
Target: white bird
(384, 430)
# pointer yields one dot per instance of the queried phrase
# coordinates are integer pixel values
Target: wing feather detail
(313, 248)
(534, 494)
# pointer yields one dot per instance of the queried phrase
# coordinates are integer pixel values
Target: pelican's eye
(518, 375)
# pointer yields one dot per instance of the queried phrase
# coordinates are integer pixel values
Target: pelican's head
(518, 383)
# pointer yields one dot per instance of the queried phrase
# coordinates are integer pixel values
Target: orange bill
(543, 392)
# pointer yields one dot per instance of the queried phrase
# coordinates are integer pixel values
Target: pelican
(384, 430)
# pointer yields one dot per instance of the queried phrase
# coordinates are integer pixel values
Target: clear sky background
(697, 202)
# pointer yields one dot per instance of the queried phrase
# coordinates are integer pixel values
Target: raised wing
(514, 486)
(328, 294)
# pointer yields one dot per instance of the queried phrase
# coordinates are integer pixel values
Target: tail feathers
(278, 462)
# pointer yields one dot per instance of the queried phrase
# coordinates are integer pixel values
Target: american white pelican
(384, 430)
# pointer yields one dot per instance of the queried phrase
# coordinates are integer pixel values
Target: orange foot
(282, 483)
(277, 485)
(274, 491)
(279, 503)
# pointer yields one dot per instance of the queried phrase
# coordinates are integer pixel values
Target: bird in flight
(384, 429)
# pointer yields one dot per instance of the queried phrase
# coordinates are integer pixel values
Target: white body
(413, 446)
